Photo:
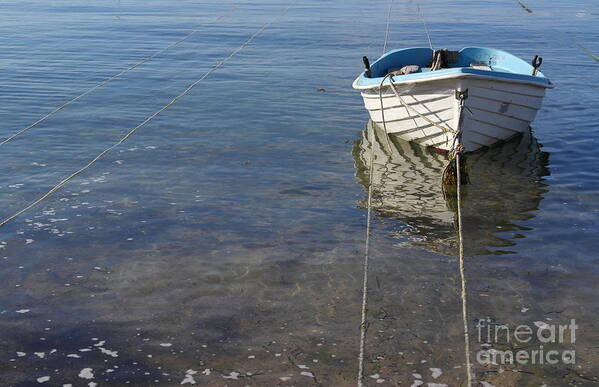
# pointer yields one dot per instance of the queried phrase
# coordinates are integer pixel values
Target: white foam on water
(43, 379)
(109, 352)
(86, 373)
(23, 310)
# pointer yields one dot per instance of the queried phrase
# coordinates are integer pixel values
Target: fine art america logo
(537, 344)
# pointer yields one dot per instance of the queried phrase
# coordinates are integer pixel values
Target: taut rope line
(443, 128)
(463, 275)
(387, 29)
(363, 322)
(462, 95)
(106, 81)
(430, 43)
(148, 119)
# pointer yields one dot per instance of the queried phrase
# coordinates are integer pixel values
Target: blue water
(223, 243)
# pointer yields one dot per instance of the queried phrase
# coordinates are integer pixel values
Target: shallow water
(223, 243)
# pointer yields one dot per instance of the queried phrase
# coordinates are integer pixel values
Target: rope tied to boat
(428, 35)
(455, 174)
(464, 291)
(438, 125)
(438, 62)
(364, 324)
(387, 28)
(450, 175)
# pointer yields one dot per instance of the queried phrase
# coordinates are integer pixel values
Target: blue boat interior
(469, 60)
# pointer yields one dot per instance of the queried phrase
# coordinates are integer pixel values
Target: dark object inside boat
(443, 59)
(367, 72)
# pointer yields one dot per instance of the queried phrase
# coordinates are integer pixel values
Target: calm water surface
(223, 243)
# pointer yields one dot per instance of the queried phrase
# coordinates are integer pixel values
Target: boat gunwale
(492, 75)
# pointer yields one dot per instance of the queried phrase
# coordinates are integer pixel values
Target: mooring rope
(363, 321)
(443, 128)
(108, 80)
(148, 119)
(430, 43)
(383, 110)
(457, 150)
(463, 274)
(387, 29)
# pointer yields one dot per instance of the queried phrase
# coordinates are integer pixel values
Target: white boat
(479, 96)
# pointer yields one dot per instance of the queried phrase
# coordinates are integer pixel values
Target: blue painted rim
(504, 66)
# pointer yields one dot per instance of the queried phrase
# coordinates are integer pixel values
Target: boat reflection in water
(506, 187)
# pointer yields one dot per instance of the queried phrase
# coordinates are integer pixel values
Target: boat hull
(429, 113)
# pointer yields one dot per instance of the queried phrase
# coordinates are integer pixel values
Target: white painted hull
(497, 110)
